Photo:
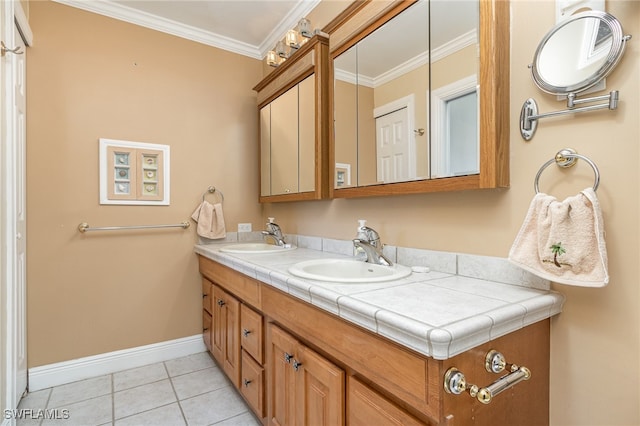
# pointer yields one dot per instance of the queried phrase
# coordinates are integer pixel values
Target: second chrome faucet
(368, 240)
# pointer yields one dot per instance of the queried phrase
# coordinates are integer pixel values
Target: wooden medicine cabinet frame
(362, 18)
(311, 59)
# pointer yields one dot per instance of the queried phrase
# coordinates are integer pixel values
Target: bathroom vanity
(404, 352)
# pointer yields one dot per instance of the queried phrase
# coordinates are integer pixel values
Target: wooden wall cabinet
(348, 375)
(293, 104)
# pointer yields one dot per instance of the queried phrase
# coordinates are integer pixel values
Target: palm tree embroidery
(557, 250)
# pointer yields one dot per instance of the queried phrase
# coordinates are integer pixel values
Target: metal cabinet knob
(246, 332)
(288, 358)
(296, 365)
(221, 302)
(246, 383)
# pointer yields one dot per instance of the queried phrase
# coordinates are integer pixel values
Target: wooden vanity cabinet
(346, 374)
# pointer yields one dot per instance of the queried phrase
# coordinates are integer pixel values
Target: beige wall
(92, 77)
(595, 348)
(82, 85)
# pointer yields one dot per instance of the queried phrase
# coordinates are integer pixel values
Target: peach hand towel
(563, 241)
(210, 220)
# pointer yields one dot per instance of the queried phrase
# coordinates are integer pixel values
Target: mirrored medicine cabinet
(293, 105)
(420, 97)
(405, 96)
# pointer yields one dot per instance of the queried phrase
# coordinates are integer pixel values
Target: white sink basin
(256, 248)
(348, 271)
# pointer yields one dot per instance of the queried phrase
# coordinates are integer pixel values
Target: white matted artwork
(134, 173)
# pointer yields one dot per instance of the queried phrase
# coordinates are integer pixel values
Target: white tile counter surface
(463, 302)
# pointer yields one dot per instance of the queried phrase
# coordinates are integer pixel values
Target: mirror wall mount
(573, 57)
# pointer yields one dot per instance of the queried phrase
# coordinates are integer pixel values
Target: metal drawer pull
(296, 365)
(455, 381)
(246, 383)
(246, 332)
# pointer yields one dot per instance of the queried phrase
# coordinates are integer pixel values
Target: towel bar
(566, 158)
(84, 227)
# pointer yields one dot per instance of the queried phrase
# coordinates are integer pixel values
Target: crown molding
(168, 26)
(467, 39)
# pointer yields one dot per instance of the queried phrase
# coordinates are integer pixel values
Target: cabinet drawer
(367, 407)
(252, 384)
(251, 332)
(206, 295)
(239, 285)
(206, 329)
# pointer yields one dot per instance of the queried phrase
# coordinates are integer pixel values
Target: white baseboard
(60, 373)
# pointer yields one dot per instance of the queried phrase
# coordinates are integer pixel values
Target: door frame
(13, 25)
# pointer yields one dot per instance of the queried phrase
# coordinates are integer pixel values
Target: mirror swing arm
(529, 115)
(543, 73)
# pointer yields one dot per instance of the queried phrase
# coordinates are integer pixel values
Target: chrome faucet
(369, 241)
(274, 232)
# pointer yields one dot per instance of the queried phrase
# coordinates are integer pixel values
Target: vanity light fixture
(304, 27)
(292, 39)
(281, 50)
(272, 58)
(291, 43)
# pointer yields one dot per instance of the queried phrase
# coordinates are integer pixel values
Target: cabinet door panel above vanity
(294, 141)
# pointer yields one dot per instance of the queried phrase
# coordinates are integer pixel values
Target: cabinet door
(231, 364)
(218, 329)
(206, 329)
(284, 143)
(225, 341)
(280, 376)
(265, 150)
(307, 135)
(304, 388)
(319, 390)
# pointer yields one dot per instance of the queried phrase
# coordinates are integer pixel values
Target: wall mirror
(573, 57)
(412, 85)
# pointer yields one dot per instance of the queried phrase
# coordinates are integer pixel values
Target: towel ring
(211, 190)
(566, 158)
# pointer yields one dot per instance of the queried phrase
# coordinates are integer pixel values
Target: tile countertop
(438, 314)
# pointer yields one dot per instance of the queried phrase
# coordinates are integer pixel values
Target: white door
(392, 142)
(13, 232)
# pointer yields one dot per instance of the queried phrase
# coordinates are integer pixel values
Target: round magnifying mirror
(577, 53)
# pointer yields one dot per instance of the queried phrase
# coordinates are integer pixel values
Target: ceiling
(247, 27)
(252, 27)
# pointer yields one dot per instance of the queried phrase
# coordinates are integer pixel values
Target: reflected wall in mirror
(405, 97)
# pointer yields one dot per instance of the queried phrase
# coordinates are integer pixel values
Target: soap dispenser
(361, 235)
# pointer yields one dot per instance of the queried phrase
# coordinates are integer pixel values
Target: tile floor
(184, 391)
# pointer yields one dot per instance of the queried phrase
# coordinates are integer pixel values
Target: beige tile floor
(184, 391)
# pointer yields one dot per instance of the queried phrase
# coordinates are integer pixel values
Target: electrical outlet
(244, 227)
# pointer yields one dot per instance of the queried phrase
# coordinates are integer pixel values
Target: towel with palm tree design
(563, 241)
